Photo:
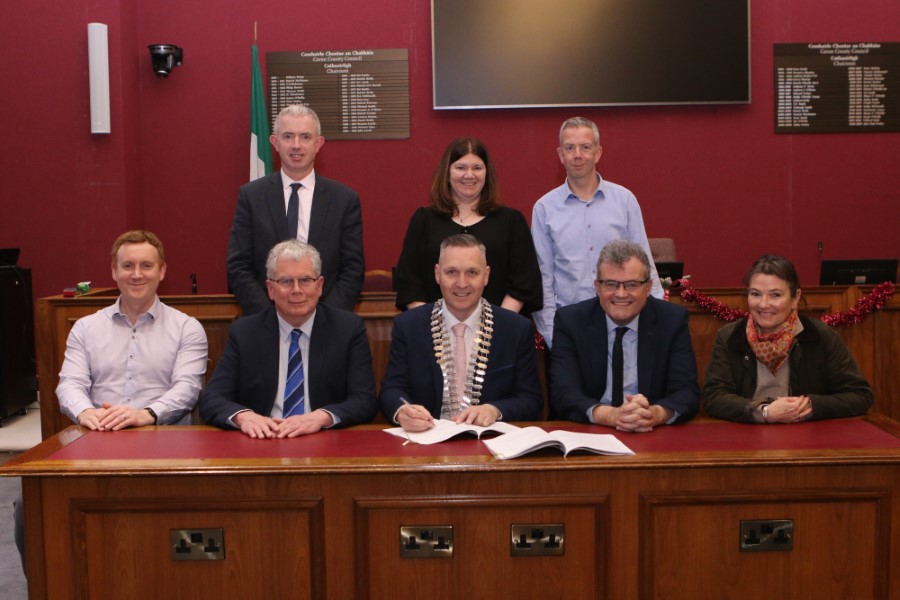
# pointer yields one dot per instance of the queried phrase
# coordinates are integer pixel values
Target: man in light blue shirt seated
(136, 362)
(571, 223)
(654, 379)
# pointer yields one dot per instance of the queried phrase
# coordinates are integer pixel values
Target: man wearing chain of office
(460, 358)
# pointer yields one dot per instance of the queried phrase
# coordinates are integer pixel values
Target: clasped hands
(415, 417)
(789, 409)
(636, 414)
(113, 418)
(261, 427)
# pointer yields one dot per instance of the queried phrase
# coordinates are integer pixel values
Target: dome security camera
(164, 57)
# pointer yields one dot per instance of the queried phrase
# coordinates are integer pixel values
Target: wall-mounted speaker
(98, 65)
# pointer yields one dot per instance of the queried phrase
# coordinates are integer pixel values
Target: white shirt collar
(471, 322)
(285, 328)
(308, 182)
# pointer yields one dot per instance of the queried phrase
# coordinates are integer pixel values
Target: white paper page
(445, 429)
(603, 443)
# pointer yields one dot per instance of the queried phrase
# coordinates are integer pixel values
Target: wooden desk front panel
(482, 564)
(272, 548)
(667, 532)
(841, 545)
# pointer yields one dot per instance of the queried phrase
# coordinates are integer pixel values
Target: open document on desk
(529, 439)
(444, 429)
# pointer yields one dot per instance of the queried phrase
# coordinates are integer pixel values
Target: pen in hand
(403, 400)
(417, 418)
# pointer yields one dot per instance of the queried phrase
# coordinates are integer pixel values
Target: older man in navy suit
(625, 361)
(460, 358)
(294, 368)
(296, 203)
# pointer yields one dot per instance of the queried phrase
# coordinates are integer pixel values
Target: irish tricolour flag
(260, 149)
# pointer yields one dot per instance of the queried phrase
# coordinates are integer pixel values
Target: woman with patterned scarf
(775, 366)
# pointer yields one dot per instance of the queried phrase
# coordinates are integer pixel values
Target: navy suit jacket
(667, 368)
(338, 369)
(511, 382)
(260, 222)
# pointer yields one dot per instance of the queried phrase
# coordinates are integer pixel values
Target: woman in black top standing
(465, 199)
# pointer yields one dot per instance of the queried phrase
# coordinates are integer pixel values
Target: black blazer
(260, 222)
(667, 367)
(338, 369)
(511, 382)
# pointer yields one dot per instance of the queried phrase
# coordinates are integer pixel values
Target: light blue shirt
(629, 362)
(568, 236)
(284, 346)
(158, 362)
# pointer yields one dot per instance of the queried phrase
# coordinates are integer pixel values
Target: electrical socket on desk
(197, 544)
(426, 541)
(547, 539)
(767, 536)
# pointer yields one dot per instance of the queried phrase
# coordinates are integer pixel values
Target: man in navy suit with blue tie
(298, 366)
(460, 358)
(296, 202)
(625, 361)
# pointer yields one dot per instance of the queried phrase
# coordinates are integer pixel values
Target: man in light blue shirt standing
(571, 223)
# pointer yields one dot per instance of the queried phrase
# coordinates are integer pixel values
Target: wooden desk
(320, 517)
(875, 343)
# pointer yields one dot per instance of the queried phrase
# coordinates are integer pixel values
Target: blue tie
(293, 388)
(293, 211)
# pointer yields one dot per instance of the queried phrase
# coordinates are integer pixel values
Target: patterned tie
(459, 361)
(293, 212)
(293, 388)
(618, 368)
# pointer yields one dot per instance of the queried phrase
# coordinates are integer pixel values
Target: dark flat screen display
(858, 272)
(527, 53)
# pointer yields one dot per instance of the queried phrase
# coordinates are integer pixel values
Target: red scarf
(771, 349)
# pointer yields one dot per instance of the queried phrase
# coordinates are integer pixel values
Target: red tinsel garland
(863, 308)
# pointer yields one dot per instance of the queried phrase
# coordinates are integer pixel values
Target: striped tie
(293, 388)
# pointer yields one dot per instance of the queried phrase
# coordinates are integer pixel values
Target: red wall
(717, 179)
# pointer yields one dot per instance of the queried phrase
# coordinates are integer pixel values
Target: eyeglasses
(611, 285)
(287, 283)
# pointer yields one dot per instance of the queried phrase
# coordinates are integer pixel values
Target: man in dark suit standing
(460, 358)
(625, 361)
(294, 368)
(296, 203)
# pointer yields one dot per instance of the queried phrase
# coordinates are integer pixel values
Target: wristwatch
(765, 413)
(155, 418)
